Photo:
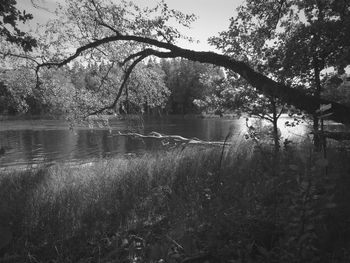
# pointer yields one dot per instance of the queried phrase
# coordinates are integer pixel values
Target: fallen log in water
(175, 138)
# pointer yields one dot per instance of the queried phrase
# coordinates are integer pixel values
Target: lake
(32, 142)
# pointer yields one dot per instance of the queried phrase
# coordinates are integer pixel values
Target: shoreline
(23, 117)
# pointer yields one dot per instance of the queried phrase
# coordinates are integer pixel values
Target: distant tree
(6, 100)
(17, 91)
(215, 92)
(185, 79)
(146, 91)
(56, 94)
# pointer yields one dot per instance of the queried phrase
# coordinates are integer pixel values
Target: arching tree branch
(149, 52)
(262, 83)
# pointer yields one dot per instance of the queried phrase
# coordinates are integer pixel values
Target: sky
(213, 16)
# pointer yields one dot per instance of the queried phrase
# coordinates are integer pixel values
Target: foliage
(147, 89)
(95, 81)
(189, 83)
(75, 92)
(291, 41)
(216, 92)
(289, 36)
(337, 88)
(247, 40)
(280, 37)
(83, 21)
(322, 40)
(251, 41)
(18, 91)
(9, 30)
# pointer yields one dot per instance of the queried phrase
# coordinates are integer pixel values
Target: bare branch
(97, 10)
(104, 78)
(281, 111)
(19, 56)
(109, 27)
(38, 6)
(102, 52)
(168, 40)
(264, 116)
(101, 21)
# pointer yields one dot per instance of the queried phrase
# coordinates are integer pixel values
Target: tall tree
(291, 41)
(251, 41)
(215, 97)
(184, 79)
(317, 42)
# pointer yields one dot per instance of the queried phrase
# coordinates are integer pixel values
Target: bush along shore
(193, 204)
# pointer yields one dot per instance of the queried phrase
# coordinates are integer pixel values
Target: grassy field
(186, 205)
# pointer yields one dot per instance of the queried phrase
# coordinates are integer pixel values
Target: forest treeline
(166, 86)
(163, 86)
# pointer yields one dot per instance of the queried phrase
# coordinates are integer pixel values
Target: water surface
(28, 142)
(31, 142)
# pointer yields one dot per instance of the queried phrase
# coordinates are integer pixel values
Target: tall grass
(241, 204)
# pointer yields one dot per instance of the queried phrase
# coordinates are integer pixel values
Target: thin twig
(19, 56)
(174, 242)
(104, 78)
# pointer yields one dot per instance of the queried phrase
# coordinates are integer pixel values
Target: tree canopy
(105, 30)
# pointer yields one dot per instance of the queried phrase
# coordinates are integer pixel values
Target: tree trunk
(317, 94)
(275, 126)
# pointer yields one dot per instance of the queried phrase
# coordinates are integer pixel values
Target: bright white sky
(213, 16)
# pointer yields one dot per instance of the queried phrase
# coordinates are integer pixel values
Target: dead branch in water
(175, 138)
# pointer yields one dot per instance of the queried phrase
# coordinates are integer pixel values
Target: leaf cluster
(9, 29)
